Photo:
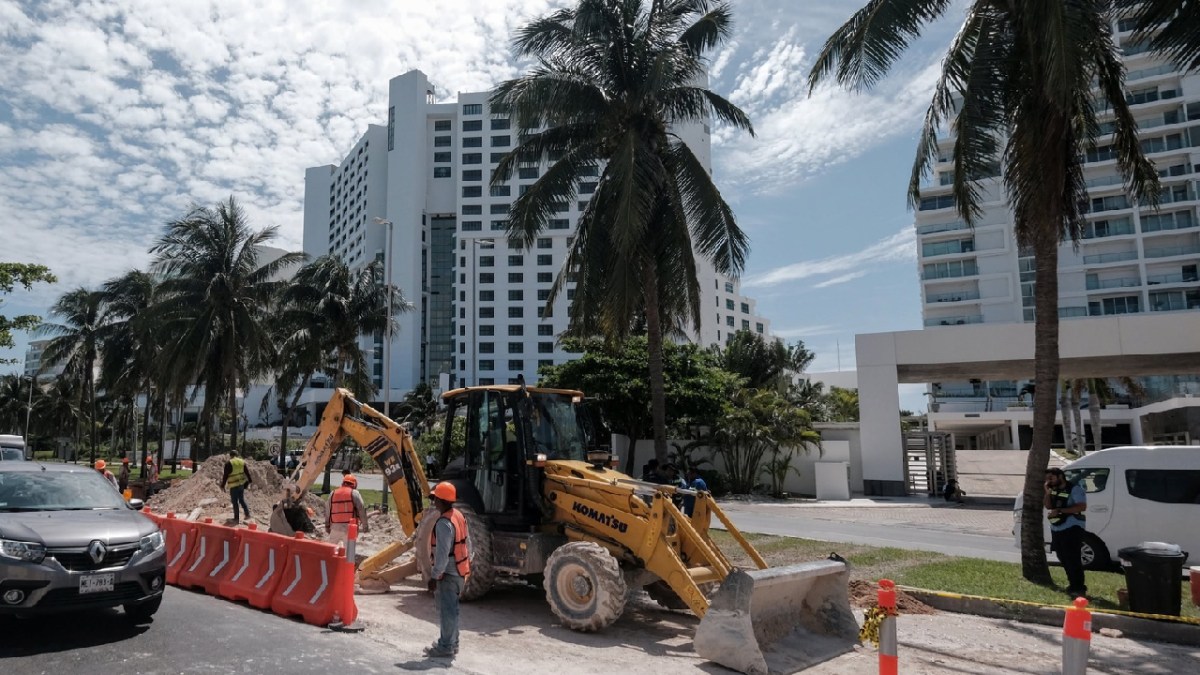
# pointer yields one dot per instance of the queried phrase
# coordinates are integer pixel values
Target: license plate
(95, 583)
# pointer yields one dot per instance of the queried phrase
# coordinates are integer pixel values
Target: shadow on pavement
(45, 634)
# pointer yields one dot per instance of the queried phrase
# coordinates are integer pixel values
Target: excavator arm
(391, 446)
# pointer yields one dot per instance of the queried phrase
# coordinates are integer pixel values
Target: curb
(1176, 630)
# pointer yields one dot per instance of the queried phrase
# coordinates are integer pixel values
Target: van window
(1093, 480)
(1169, 486)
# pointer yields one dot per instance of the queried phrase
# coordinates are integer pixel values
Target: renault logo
(97, 550)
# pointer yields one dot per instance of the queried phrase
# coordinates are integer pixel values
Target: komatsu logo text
(602, 518)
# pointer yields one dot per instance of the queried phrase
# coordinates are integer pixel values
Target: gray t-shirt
(443, 555)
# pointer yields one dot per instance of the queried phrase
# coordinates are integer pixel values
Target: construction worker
(238, 479)
(451, 566)
(149, 475)
(102, 468)
(1065, 503)
(123, 477)
(345, 506)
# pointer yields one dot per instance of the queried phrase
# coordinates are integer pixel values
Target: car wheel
(142, 612)
(1094, 554)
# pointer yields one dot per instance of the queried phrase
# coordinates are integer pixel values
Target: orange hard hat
(100, 464)
(125, 460)
(445, 492)
(350, 480)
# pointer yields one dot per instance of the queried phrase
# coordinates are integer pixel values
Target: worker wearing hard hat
(102, 467)
(451, 566)
(123, 477)
(346, 506)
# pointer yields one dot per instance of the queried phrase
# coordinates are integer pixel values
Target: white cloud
(900, 246)
(806, 331)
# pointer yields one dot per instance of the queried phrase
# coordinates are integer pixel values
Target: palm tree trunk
(146, 425)
(162, 428)
(178, 433)
(233, 415)
(1046, 369)
(91, 386)
(1064, 409)
(654, 350)
(1094, 416)
(1077, 416)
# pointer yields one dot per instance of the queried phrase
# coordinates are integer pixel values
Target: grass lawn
(936, 572)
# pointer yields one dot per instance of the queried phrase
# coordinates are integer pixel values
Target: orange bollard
(1077, 638)
(888, 659)
(344, 619)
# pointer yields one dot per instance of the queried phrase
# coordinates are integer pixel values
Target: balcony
(1103, 181)
(948, 248)
(1170, 251)
(1102, 284)
(1179, 278)
(935, 228)
(954, 320)
(955, 296)
(1165, 222)
(1143, 73)
(1119, 256)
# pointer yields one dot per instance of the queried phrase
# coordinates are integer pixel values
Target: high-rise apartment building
(479, 303)
(1132, 258)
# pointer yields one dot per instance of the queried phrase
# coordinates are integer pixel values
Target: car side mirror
(136, 504)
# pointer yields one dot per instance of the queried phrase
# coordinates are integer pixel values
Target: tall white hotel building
(477, 302)
(1131, 259)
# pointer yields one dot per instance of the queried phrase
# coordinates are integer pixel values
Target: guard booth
(929, 461)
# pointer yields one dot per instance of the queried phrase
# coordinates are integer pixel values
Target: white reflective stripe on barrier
(321, 588)
(224, 560)
(270, 569)
(245, 563)
(199, 558)
(297, 579)
(181, 551)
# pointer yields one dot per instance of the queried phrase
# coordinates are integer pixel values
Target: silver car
(69, 541)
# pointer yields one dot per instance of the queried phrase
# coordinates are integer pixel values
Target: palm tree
(216, 292)
(133, 344)
(614, 79)
(77, 344)
(1017, 82)
(762, 362)
(1173, 29)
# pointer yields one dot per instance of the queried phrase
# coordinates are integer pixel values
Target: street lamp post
(28, 411)
(476, 244)
(387, 340)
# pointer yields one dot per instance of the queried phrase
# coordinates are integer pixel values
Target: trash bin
(1154, 575)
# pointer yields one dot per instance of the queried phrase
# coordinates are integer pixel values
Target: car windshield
(56, 491)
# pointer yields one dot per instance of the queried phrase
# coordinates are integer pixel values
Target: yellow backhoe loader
(544, 505)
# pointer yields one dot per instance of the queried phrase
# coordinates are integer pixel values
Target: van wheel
(1094, 554)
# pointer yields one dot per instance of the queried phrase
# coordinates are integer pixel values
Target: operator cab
(495, 437)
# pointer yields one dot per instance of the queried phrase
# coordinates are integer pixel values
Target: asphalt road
(192, 633)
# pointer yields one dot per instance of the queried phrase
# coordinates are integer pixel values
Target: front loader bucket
(780, 619)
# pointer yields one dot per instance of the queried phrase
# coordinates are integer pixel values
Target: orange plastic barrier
(152, 516)
(310, 582)
(257, 567)
(211, 561)
(181, 539)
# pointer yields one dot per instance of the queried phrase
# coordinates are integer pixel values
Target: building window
(496, 157)
(487, 329)
(516, 294)
(499, 209)
(443, 172)
(487, 364)
(570, 293)
(545, 259)
(545, 330)
(561, 207)
(441, 141)
(391, 128)
(559, 224)
(487, 278)
(472, 142)
(592, 170)
(545, 242)
(527, 172)
(487, 347)
(516, 313)
(545, 277)
(472, 158)
(472, 125)
(516, 348)
(501, 141)
(745, 324)
(745, 308)
(545, 362)
(472, 225)
(472, 175)
(728, 286)
(472, 209)
(442, 157)
(516, 364)
(501, 190)
(487, 261)
(516, 277)
(440, 125)
(516, 260)
(472, 108)
(545, 312)
(499, 225)
(487, 312)
(543, 294)
(516, 330)
(587, 188)
(487, 296)
(500, 123)
(545, 347)
(729, 321)
(729, 304)
(472, 191)
(758, 327)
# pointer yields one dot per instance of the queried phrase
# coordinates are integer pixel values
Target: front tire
(584, 586)
(479, 541)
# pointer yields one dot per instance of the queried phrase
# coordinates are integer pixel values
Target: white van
(1134, 495)
(11, 447)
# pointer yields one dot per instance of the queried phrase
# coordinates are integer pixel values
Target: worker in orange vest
(451, 567)
(102, 468)
(346, 506)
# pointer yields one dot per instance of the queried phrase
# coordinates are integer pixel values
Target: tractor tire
(661, 593)
(479, 540)
(585, 586)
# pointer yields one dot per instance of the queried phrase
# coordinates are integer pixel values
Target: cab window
(1092, 480)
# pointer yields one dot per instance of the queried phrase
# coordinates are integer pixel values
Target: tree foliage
(763, 363)
(755, 423)
(13, 275)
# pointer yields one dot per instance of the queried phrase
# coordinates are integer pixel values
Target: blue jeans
(238, 496)
(449, 587)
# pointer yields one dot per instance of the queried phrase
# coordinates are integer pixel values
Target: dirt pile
(865, 594)
(201, 496)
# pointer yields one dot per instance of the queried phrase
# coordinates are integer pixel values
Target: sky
(119, 115)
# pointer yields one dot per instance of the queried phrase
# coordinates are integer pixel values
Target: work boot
(436, 652)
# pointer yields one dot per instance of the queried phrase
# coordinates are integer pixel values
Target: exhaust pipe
(779, 619)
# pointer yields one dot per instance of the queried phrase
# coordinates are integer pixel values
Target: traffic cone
(888, 659)
(345, 619)
(1077, 638)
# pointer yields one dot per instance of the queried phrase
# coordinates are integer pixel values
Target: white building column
(879, 415)
(1015, 431)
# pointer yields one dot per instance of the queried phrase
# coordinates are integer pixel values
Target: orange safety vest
(341, 506)
(462, 554)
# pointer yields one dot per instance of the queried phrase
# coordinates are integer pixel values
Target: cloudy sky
(117, 115)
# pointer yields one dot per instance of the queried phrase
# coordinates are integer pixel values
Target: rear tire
(479, 541)
(1094, 554)
(585, 586)
(142, 612)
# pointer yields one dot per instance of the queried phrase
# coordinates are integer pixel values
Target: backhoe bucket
(780, 619)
